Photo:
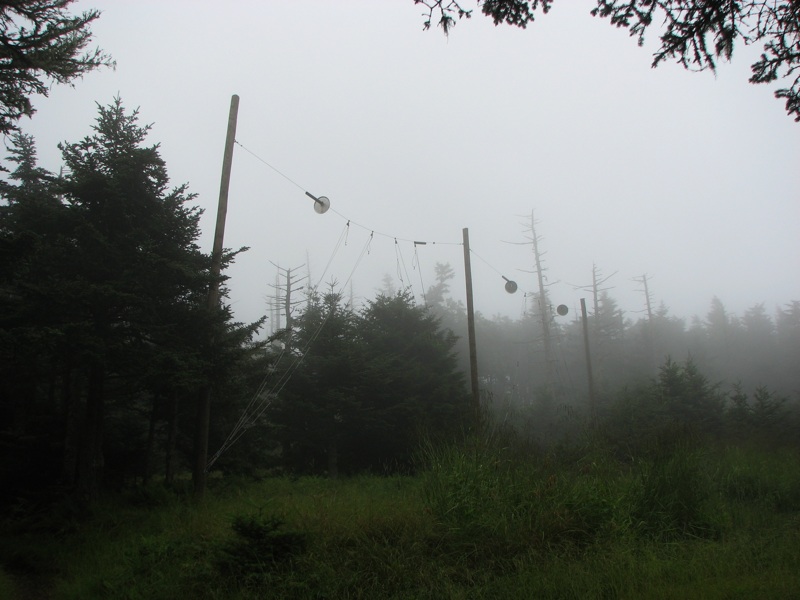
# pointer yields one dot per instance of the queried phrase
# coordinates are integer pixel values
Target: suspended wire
(364, 250)
(306, 349)
(364, 227)
(262, 399)
(524, 312)
(398, 269)
(485, 262)
(342, 238)
(524, 293)
(401, 261)
(259, 398)
(243, 423)
(257, 157)
(416, 264)
(263, 396)
(390, 236)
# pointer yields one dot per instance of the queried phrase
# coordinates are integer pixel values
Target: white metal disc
(321, 205)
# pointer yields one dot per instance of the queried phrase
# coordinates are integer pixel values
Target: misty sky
(689, 178)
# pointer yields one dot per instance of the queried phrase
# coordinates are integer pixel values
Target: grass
(485, 520)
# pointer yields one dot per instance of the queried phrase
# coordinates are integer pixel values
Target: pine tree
(412, 380)
(319, 405)
(33, 243)
(688, 397)
(108, 287)
(139, 275)
(366, 385)
(41, 44)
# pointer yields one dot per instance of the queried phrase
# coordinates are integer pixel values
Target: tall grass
(484, 518)
(674, 496)
(485, 491)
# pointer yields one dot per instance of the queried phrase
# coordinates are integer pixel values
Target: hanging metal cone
(321, 205)
(511, 286)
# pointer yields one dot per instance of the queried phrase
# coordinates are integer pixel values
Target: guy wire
(256, 409)
(301, 188)
(257, 157)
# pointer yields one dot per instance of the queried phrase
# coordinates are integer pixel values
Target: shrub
(260, 548)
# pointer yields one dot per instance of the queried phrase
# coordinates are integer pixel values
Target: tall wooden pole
(473, 347)
(204, 403)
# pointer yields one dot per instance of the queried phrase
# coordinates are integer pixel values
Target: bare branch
(694, 33)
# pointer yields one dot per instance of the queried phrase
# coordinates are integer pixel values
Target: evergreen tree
(438, 293)
(452, 313)
(718, 341)
(41, 44)
(365, 386)
(669, 334)
(321, 402)
(755, 354)
(739, 412)
(688, 397)
(135, 264)
(108, 287)
(33, 244)
(412, 384)
(608, 327)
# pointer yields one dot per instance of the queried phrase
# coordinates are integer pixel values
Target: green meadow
(493, 518)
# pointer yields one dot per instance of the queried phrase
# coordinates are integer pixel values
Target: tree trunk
(172, 436)
(201, 427)
(90, 462)
(22, 411)
(71, 409)
(333, 460)
(147, 470)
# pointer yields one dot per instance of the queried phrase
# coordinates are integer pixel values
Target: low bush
(261, 545)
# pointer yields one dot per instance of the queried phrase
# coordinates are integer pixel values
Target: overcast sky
(689, 178)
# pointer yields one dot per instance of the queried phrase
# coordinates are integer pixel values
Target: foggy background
(689, 178)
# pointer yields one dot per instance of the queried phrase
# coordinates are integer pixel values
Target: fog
(689, 178)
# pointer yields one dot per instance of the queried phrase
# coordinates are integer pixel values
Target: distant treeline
(755, 349)
(750, 355)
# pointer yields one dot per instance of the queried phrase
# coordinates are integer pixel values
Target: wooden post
(592, 401)
(473, 352)
(204, 403)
